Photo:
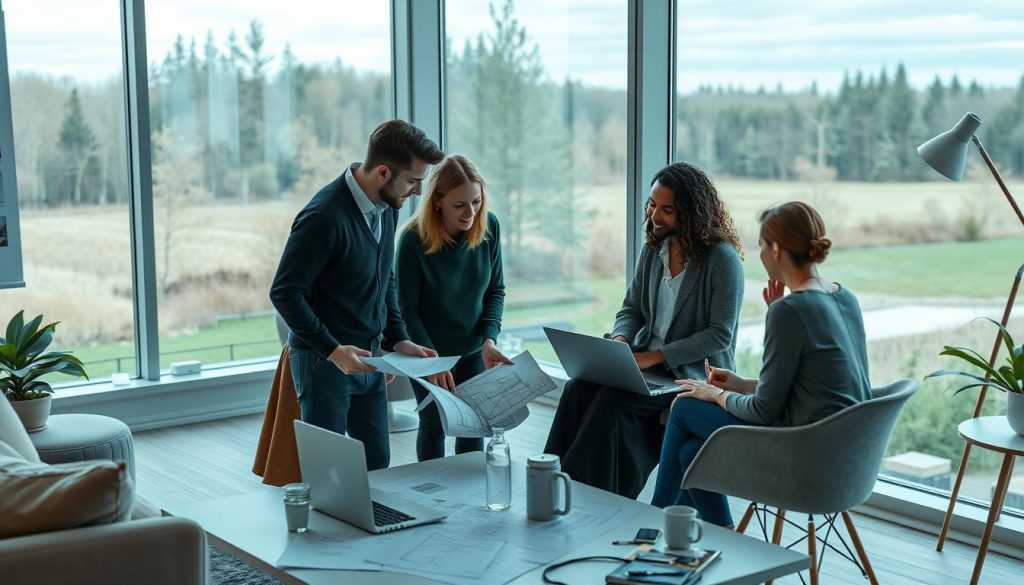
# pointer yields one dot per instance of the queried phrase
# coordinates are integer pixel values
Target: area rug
(226, 569)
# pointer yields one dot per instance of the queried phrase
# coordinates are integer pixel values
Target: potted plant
(24, 360)
(1008, 377)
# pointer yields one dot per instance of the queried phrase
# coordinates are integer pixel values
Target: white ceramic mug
(543, 473)
(682, 527)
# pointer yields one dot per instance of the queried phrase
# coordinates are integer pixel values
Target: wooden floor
(214, 459)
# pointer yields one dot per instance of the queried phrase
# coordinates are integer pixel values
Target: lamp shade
(947, 152)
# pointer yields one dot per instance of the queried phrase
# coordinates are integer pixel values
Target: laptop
(334, 466)
(606, 362)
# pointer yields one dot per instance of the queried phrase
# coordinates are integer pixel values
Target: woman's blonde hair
(453, 172)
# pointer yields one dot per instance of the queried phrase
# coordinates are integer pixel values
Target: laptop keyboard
(658, 388)
(385, 516)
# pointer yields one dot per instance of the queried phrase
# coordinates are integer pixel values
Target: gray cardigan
(706, 313)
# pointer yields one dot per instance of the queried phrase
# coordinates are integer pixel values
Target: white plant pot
(1015, 411)
(33, 413)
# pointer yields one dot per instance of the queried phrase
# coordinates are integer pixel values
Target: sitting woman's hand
(773, 291)
(723, 378)
(699, 390)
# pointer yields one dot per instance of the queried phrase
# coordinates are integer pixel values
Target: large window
(545, 120)
(253, 107)
(67, 106)
(827, 106)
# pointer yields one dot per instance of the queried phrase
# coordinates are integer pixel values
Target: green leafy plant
(1008, 377)
(24, 359)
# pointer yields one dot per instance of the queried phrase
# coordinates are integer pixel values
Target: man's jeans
(356, 404)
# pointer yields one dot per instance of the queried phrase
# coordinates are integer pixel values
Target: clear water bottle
(499, 472)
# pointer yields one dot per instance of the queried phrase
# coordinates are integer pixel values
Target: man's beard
(390, 196)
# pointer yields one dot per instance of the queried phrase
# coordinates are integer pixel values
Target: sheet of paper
(494, 398)
(458, 419)
(328, 550)
(411, 366)
(441, 552)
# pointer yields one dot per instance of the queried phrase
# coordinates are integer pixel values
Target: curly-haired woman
(682, 308)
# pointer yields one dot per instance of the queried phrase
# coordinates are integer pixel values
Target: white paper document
(411, 366)
(328, 550)
(495, 398)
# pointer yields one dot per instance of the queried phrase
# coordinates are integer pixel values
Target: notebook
(648, 565)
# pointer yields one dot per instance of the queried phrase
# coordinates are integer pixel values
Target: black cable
(550, 568)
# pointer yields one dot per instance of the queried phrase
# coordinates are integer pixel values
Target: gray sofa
(156, 551)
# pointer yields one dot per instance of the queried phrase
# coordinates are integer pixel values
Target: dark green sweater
(334, 285)
(452, 300)
(815, 361)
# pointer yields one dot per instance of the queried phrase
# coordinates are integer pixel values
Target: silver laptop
(334, 466)
(606, 362)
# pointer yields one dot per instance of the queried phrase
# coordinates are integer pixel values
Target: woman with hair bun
(815, 359)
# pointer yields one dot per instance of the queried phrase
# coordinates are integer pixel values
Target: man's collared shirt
(371, 211)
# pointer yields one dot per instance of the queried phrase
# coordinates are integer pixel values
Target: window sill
(222, 392)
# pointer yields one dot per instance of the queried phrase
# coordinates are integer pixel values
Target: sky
(743, 43)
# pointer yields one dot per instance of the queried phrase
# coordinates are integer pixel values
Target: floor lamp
(947, 154)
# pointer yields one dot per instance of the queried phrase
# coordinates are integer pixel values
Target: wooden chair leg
(812, 544)
(860, 548)
(777, 533)
(780, 515)
(742, 526)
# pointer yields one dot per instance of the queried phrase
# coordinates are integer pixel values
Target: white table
(252, 527)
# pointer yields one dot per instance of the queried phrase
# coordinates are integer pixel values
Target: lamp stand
(999, 179)
(995, 351)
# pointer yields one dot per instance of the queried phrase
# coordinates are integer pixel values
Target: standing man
(335, 287)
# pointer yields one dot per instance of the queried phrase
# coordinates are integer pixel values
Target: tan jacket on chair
(277, 458)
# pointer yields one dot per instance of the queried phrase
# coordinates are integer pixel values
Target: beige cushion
(13, 432)
(36, 497)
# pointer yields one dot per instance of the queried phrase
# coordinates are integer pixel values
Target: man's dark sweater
(335, 285)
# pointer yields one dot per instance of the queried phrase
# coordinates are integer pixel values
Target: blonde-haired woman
(451, 287)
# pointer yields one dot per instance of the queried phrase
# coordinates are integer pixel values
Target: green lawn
(982, 269)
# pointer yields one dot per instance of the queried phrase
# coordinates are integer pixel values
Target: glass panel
(254, 107)
(827, 104)
(545, 121)
(67, 104)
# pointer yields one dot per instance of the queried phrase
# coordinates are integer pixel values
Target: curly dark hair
(701, 217)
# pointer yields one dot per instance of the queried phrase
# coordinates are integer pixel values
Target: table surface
(252, 527)
(992, 432)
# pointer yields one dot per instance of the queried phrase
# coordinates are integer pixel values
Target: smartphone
(647, 536)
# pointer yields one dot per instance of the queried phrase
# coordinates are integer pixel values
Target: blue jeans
(356, 404)
(430, 437)
(689, 425)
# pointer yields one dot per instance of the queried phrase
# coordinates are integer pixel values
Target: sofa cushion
(36, 497)
(13, 432)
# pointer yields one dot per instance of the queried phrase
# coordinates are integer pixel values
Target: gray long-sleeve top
(815, 361)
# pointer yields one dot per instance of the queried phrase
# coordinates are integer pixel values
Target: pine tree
(78, 143)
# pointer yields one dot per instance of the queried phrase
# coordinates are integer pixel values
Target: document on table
(496, 398)
(411, 366)
(329, 550)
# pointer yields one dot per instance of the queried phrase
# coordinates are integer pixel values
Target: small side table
(85, 437)
(992, 433)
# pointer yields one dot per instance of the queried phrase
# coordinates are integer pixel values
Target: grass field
(219, 259)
